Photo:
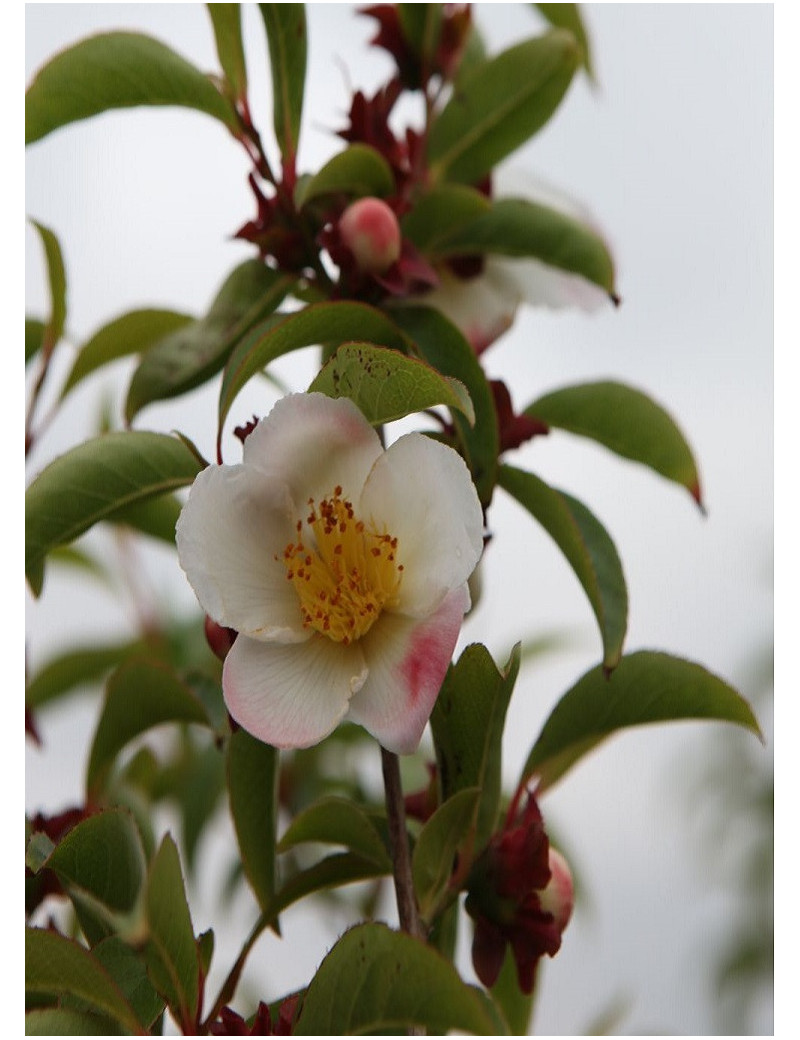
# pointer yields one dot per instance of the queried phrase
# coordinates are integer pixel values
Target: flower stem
(398, 839)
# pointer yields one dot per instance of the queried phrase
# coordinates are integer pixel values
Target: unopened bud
(370, 231)
(559, 896)
(219, 638)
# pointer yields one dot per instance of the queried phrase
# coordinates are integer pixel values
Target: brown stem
(398, 839)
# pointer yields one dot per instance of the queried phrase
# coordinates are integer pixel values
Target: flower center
(343, 583)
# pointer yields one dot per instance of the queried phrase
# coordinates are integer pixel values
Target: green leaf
(467, 724)
(117, 70)
(645, 687)
(473, 55)
(359, 170)
(444, 347)
(94, 480)
(287, 37)
(205, 949)
(421, 25)
(588, 548)
(128, 970)
(55, 964)
(63, 1022)
(387, 385)
(172, 954)
(57, 280)
(439, 840)
(192, 355)
(320, 324)
(337, 821)
(568, 16)
(375, 979)
(342, 868)
(252, 772)
(132, 333)
(83, 666)
(199, 799)
(515, 1005)
(155, 517)
(519, 228)
(101, 857)
(140, 695)
(34, 337)
(440, 213)
(227, 22)
(500, 106)
(626, 421)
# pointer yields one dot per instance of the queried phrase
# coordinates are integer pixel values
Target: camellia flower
(521, 895)
(342, 566)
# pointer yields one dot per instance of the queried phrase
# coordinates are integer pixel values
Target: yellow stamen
(346, 579)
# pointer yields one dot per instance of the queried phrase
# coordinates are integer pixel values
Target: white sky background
(673, 154)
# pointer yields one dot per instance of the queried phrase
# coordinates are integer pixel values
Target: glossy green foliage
(252, 778)
(226, 20)
(78, 668)
(645, 687)
(57, 1021)
(500, 105)
(587, 547)
(467, 723)
(376, 980)
(287, 36)
(515, 1005)
(193, 354)
(337, 821)
(141, 694)
(320, 324)
(34, 338)
(94, 480)
(520, 228)
(626, 421)
(387, 385)
(100, 862)
(128, 969)
(449, 833)
(155, 517)
(421, 26)
(172, 954)
(568, 16)
(132, 333)
(440, 213)
(358, 170)
(444, 347)
(57, 280)
(116, 70)
(61, 967)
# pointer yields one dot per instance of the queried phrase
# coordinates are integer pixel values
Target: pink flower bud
(558, 897)
(370, 231)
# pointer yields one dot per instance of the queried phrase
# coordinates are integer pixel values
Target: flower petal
(483, 307)
(541, 285)
(291, 696)
(232, 526)
(311, 443)
(407, 661)
(422, 492)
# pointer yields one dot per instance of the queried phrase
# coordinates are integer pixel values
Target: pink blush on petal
(422, 666)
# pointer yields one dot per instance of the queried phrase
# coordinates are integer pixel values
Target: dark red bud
(219, 638)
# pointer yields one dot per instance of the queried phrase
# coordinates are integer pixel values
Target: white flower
(342, 566)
